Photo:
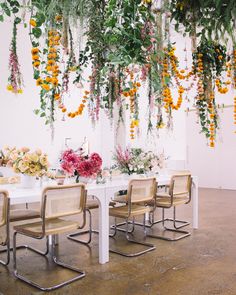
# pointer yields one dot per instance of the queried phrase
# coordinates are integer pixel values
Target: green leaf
(36, 74)
(6, 9)
(16, 3)
(15, 10)
(37, 32)
(17, 20)
(40, 18)
(1, 18)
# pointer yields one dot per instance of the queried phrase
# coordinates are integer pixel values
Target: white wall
(216, 167)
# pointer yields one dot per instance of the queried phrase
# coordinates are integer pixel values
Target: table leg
(50, 237)
(195, 201)
(103, 229)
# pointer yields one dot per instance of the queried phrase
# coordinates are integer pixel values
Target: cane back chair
(140, 191)
(57, 202)
(179, 192)
(7, 216)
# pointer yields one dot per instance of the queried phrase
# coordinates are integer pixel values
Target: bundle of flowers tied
(73, 163)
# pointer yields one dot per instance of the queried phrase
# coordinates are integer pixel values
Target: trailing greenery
(211, 18)
(126, 45)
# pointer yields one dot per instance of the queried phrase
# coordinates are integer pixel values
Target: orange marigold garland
(131, 92)
(81, 107)
(47, 78)
(209, 62)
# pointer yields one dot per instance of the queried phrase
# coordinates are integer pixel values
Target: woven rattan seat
(52, 227)
(123, 211)
(120, 198)
(23, 214)
(166, 201)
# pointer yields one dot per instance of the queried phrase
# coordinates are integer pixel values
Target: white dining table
(104, 193)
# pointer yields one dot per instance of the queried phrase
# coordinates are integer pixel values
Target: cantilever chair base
(175, 229)
(9, 249)
(151, 247)
(90, 231)
(184, 223)
(5, 263)
(184, 235)
(55, 260)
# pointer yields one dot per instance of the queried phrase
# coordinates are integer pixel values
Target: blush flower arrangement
(73, 163)
(26, 162)
(135, 160)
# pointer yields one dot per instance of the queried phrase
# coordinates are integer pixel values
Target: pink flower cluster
(123, 157)
(73, 163)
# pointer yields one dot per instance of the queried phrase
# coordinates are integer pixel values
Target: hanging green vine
(126, 46)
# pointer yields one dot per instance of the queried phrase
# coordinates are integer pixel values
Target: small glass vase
(27, 181)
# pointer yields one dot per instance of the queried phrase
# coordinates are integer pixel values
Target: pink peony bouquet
(73, 163)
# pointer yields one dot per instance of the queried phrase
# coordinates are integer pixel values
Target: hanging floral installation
(15, 80)
(127, 48)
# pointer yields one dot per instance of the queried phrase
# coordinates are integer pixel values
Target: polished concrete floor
(202, 264)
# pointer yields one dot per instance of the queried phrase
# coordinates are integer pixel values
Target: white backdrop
(216, 167)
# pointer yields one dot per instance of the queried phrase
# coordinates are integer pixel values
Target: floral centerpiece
(73, 163)
(135, 160)
(26, 162)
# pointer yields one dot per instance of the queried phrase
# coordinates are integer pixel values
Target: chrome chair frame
(54, 256)
(90, 231)
(151, 247)
(176, 228)
(55, 260)
(8, 248)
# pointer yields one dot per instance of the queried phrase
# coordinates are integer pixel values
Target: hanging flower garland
(127, 46)
(15, 80)
(209, 63)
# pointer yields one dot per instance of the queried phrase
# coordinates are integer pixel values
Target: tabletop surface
(17, 191)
